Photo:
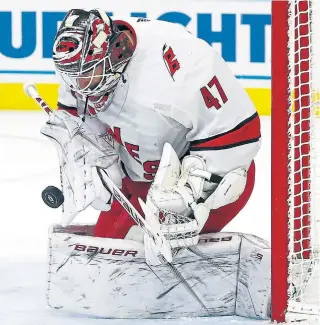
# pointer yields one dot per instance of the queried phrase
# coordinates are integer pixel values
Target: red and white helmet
(90, 52)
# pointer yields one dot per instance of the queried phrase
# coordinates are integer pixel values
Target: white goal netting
(304, 163)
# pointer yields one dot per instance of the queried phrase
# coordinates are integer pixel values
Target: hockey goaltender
(154, 131)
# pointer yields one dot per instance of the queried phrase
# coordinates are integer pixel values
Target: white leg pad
(229, 272)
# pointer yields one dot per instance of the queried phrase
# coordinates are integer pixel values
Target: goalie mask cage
(295, 160)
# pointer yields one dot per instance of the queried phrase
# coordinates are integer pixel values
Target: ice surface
(28, 164)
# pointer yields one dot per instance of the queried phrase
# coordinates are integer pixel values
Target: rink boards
(15, 99)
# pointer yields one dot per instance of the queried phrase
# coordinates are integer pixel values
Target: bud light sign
(242, 38)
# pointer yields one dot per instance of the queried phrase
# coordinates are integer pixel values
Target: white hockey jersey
(176, 89)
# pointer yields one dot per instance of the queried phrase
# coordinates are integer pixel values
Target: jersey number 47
(208, 97)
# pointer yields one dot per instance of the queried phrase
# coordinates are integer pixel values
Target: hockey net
(295, 160)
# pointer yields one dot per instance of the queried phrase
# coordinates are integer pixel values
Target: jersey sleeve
(223, 122)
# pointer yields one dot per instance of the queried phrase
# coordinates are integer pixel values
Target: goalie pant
(116, 223)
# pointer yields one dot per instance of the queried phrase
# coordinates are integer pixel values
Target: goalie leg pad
(109, 278)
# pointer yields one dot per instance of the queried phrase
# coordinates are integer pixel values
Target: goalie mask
(90, 52)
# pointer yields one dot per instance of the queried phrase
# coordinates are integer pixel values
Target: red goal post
(295, 162)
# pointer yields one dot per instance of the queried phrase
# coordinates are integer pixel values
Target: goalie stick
(152, 230)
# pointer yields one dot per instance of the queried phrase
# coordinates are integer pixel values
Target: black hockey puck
(52, 197)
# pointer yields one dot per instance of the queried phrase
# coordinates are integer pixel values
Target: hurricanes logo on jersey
(170, 60)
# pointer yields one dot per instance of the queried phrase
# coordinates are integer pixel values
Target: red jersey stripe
(247, 131)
